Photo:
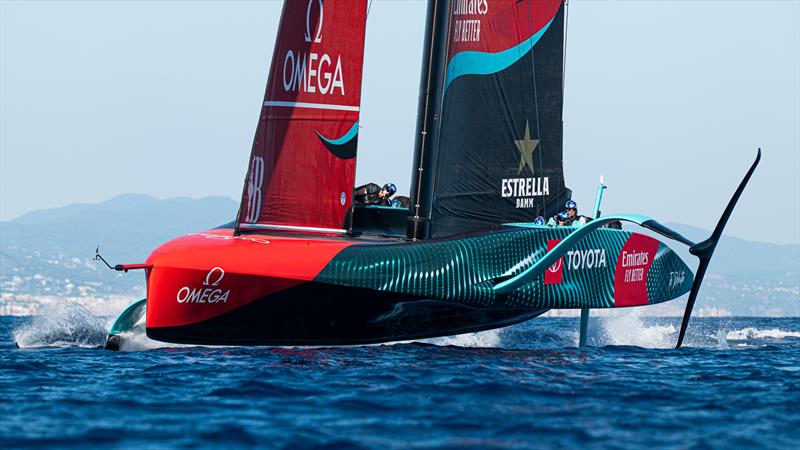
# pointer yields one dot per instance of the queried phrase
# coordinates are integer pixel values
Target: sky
(668, 100)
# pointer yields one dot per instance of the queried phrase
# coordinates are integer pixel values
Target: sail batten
(303, 160)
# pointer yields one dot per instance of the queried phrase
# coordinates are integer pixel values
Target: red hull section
(200, 276)
(633, 264)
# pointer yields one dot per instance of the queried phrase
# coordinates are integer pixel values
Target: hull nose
(180, 296)
(202, 276)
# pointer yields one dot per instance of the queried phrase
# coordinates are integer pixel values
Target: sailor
(569, 217)
(573, 218)
(401, 201)
(559, 219)
(373, 194)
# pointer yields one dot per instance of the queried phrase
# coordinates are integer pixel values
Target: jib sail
(303, 161)
(492, 152)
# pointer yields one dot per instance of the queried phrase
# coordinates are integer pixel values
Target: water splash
(633, 329)
(628, 329)
(517, 337)
(62, 324)
(482, 339)
(722, 339)
(136, 340)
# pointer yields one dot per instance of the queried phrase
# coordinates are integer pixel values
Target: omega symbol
(220, 274)
(318, 36)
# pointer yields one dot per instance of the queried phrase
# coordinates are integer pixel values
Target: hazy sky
(667, 99)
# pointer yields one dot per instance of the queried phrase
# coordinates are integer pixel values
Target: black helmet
(390, 188)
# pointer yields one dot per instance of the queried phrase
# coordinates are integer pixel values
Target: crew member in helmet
(570, 217)
(373, 194)
(571, 208)
(559, 220)
(400, 201)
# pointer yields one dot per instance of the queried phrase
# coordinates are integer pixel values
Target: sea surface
(735, 385)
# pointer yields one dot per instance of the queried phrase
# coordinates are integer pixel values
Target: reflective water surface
(736, 385)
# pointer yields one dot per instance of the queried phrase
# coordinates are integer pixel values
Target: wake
(630, 329)
(68, 324)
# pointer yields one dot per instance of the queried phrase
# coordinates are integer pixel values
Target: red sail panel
(303, 162)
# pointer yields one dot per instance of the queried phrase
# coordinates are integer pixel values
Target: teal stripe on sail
(344, 139)
(485, 63)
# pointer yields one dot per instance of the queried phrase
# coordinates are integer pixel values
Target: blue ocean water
(736, 385)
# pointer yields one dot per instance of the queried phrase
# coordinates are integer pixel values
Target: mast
(430, 100)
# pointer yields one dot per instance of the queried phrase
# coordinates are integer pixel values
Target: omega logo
(208, 294)
(209, 276)
(318, 35)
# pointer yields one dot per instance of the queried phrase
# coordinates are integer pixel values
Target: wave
(754, 333)
(482, 339)
(628, 329)
(62, 324)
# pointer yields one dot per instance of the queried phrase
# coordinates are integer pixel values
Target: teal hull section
(593, 273)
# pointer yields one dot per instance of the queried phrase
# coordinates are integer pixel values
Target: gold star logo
(526, 146)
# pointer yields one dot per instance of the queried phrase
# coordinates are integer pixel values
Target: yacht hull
(215, 288)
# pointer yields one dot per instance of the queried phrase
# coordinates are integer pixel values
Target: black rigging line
(564, 57)
(535, 100)
(564, 82)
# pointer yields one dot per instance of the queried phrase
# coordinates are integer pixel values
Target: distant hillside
(49, 253)
(746, 259)
(746, 277)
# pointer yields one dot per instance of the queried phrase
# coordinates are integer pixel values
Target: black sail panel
(498, 142)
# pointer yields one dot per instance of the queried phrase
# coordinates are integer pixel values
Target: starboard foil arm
(705, 250)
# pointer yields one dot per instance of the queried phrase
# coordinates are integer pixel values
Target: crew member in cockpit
(373, 194)
(570, 217)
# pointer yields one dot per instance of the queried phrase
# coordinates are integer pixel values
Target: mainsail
(492, 150)
(303, 161)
